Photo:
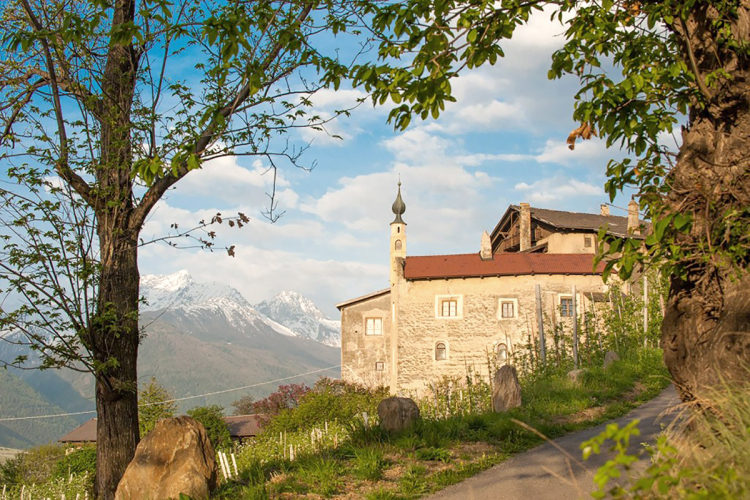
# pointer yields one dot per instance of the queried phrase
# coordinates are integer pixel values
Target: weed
(433, 455)
(368, 464)
(382, 494)
(322, 473)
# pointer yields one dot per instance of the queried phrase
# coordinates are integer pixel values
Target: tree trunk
(116, 337)
(706, 329)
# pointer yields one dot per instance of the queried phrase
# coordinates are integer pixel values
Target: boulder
(610, 358)
(575, 375)
(506, 391)
(396, 414)
(176, 457)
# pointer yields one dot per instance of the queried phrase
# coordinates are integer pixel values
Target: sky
(501, 143)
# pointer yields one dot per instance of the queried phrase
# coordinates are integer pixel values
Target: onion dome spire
(399, 207)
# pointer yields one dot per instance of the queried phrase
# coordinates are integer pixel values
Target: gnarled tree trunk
(706, 330)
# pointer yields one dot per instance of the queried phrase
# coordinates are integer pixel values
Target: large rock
(506, 391)
(610, 358)
(396, 414)
(176, 457)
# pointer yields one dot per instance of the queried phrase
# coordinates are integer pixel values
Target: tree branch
(161, 185)
(61, 166)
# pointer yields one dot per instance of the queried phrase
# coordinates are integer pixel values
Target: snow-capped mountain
(300, 315)
(179, 292)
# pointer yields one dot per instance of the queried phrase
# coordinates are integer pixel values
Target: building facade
(443, 315)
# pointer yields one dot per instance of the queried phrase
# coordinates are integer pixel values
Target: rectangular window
(374, 326)
(449, 308)
(587, 241)
(566, 307)
(507, 309)
(379, 366)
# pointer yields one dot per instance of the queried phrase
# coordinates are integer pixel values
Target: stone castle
(444, 313)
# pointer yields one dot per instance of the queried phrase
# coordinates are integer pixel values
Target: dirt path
(544, 474)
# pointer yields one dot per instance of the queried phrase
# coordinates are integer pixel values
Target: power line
(8, 419)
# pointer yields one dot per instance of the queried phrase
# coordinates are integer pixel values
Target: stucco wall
(569, 243)
(360, 352)
(478, 329)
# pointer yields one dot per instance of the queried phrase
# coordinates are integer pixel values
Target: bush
(212, 418)
(153, 406)
(79, 462)
(35, 465)
(329, 401)
(286, 397)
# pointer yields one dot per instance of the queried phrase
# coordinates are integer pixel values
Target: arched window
(502, 354)
(398, 244)
(441, 353)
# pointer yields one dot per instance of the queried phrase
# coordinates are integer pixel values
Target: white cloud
(592, 154)
(552, 190)
(226, 179)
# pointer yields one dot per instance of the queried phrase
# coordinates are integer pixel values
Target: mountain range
(199, 338)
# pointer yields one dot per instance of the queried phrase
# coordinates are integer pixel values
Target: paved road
(538, 473)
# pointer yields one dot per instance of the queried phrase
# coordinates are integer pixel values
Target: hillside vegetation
(18, 399)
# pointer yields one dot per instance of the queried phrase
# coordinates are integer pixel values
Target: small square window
(507, 309)
(379, 366)
(374, 326)
(566, 307)
(449, 308)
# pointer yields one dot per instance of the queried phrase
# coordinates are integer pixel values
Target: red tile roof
(502, 264)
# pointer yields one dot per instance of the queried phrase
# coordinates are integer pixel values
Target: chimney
(604, 209)
(525, 226)
(485, 251)
(633, 224)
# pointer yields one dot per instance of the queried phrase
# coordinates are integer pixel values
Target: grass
(366, 463)
(351, 457)
(704, 455)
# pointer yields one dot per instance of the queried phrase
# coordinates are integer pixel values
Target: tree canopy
(104, 107)
(646, 70)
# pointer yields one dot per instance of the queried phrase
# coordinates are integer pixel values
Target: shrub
(285, 398)
(79, 462)
(329, 401)
(35, 465)
(212, 419)
(153, 406)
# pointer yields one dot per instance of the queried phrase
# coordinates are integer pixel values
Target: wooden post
(645, 310)
(575, 328)
(540, 323)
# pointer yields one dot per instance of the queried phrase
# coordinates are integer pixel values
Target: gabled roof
(616, 225)
(86, 433)
(243, 426)
(363, 298)
(502, 264)
(240, 426)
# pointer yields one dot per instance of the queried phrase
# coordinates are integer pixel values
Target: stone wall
(360, 352)
(474, 334)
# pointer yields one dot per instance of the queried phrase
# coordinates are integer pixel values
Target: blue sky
(503, 142)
